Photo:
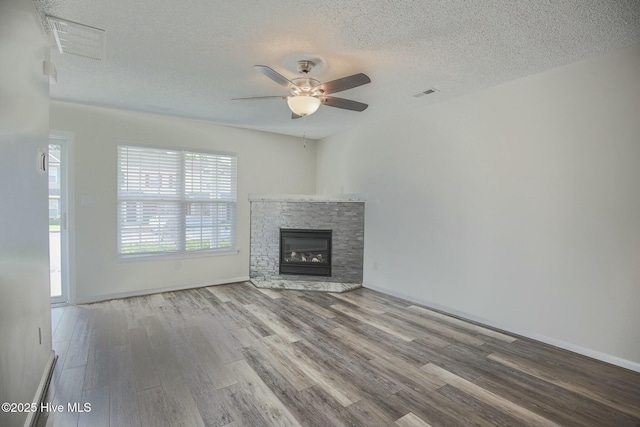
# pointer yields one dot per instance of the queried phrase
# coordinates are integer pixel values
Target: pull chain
(304, 132)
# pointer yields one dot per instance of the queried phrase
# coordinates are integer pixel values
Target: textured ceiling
(190, 58)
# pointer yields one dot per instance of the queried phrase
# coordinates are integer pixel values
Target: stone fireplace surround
(344, 214)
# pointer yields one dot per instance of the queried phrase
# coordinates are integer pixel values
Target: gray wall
(518, 206)
(24, 249)
(346, 219)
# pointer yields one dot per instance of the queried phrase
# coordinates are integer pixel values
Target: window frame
(183, 201)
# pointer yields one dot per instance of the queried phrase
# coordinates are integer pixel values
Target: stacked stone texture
(345, 219)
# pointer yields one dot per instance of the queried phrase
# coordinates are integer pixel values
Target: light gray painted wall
(267, 163)
(518, 205)
(24, 245)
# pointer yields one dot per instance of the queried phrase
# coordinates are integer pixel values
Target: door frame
(67, 236)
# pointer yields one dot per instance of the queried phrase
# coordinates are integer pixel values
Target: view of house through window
(57, 169)
(55, 220)
(174, 200)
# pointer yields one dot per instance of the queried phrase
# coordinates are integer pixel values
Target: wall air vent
(78, 39)
(426, 92)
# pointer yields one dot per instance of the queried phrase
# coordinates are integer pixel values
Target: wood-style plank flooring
(235, 355)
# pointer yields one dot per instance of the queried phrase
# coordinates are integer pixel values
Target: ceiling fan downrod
(305, 66)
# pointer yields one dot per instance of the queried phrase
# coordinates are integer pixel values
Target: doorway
(58, 219)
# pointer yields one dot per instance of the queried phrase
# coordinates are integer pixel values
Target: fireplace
(305, 252)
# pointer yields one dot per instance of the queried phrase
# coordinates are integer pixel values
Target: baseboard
(118, 295)
(593, 354)
(38, 399)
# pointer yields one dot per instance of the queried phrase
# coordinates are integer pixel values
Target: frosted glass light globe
(303, 105)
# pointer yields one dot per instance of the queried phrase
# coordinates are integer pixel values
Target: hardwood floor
(235, 355)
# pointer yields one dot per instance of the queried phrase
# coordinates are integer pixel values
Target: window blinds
(175, 201)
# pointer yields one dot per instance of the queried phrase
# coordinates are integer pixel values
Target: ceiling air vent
(426, 92)
(78, 39)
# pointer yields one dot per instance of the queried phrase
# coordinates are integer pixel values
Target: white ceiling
(189, 58)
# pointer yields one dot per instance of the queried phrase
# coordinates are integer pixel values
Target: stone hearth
(299, 285)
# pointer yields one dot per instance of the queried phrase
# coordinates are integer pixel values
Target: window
(54, 174)
(175, 201)
(54, 208)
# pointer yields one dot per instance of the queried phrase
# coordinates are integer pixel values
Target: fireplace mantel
(306, 198)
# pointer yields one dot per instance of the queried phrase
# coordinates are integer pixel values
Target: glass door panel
(57, 220)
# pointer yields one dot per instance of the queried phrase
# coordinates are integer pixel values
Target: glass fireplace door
(306, 252)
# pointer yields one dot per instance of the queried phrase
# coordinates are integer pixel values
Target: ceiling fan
(307, 94)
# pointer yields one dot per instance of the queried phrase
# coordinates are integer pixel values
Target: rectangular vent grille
(78, 39)
(426, 92)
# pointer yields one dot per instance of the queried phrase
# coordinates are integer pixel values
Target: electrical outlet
(375, 265)
(178, 265)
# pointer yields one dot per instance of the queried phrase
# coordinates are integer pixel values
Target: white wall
(267, 163)
(24, 248)
(518, 205)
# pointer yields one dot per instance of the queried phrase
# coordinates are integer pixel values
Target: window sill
(123, 259)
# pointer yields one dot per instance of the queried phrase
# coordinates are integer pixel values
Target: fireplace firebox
(305, 252)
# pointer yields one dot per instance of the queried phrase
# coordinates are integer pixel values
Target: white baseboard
(142, 292)
(604, 357)
(41, 390)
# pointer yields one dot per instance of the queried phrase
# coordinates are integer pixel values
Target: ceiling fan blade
(260, 97)
(345, 83)
(295, 116)
(346, 104)
(274, 75)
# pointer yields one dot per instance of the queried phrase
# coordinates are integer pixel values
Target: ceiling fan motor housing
(305, 85)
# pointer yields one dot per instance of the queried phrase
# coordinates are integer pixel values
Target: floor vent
(78, 39)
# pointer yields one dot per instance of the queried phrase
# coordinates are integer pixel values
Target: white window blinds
(175, 201)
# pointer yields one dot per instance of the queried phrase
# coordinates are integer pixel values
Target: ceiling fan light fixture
(303, 105)
(307, 94)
